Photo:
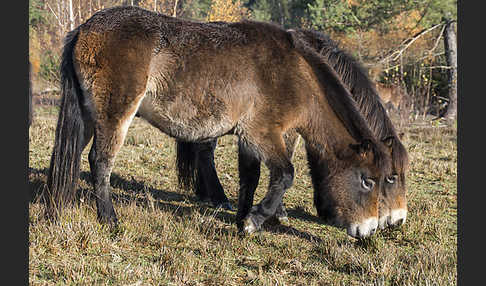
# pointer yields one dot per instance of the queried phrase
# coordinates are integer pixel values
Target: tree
(227, 10)
(445, 11)
(450, 46)
(349, 15)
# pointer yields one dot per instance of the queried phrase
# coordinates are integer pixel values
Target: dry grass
(166, 238)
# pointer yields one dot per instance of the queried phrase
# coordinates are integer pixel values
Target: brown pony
(196, 161)
(196, 82)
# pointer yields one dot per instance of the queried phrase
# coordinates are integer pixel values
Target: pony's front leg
(291, 139)
(281, 179)
(249, 173)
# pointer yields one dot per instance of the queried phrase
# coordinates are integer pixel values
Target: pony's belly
(188, 124)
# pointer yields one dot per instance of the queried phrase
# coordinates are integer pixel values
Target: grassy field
(166, 238)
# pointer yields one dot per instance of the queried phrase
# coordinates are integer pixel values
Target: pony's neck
(326, 136)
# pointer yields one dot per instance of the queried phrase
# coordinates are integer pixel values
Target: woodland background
(403, 43)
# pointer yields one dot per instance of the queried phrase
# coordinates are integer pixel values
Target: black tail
(64, 167)
(186, 161)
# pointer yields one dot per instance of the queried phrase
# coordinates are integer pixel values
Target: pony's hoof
(249, 226)
(225, 206)
(283, 220)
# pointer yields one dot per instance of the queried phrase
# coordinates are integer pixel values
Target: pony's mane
(344, 106)
(362, 89)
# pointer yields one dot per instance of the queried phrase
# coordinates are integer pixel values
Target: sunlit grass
(166, 238)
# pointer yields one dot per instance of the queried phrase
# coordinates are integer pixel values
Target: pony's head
(393, 200)
(347, 190)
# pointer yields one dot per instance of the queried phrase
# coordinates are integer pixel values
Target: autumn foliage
(373, 31)
(227, 10)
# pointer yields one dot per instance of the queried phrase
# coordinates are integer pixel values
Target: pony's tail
(64, 166)
(186, 162)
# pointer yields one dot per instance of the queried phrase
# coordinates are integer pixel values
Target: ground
(165, 237)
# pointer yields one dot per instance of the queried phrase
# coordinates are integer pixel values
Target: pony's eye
(391, 179)
(367, 183)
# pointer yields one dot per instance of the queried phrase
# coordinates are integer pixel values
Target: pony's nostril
(399, 222)
(373, 231)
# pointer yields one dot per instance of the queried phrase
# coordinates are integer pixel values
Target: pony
(196, 82)
(195, 162)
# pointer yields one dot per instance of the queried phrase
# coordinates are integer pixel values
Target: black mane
(362, 89)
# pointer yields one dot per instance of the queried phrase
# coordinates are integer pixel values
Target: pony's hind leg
(208, 187)
(249, 173)
(110, 128)
(108, 139)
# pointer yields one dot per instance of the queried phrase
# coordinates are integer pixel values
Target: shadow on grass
(136, 191)
(131, 191)
(301, 214)
(274, 226)
(37, 183)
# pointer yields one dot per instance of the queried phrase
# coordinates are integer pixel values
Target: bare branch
(437, 40)
(174, 13)
(407, 43)
(53, 13)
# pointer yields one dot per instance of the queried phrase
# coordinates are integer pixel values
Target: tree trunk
(71, 15)
(450, 45)
(79, 13)
(174, 12)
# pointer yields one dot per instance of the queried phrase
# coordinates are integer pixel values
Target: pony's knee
(288, 177)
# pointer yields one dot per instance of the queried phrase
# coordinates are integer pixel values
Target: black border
(15, 84)
(470, 143)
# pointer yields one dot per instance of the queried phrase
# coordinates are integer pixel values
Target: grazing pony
(196, 161)
(197, 82)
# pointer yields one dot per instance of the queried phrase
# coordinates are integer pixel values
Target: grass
(166, 238)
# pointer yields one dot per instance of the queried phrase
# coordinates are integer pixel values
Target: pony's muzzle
(363, 229)
(396, 217)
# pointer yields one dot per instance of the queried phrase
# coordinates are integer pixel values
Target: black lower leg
(100, 175)
(280, 180)
(249, 172)
(281, 213)
(105, 210)
(208, 186)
